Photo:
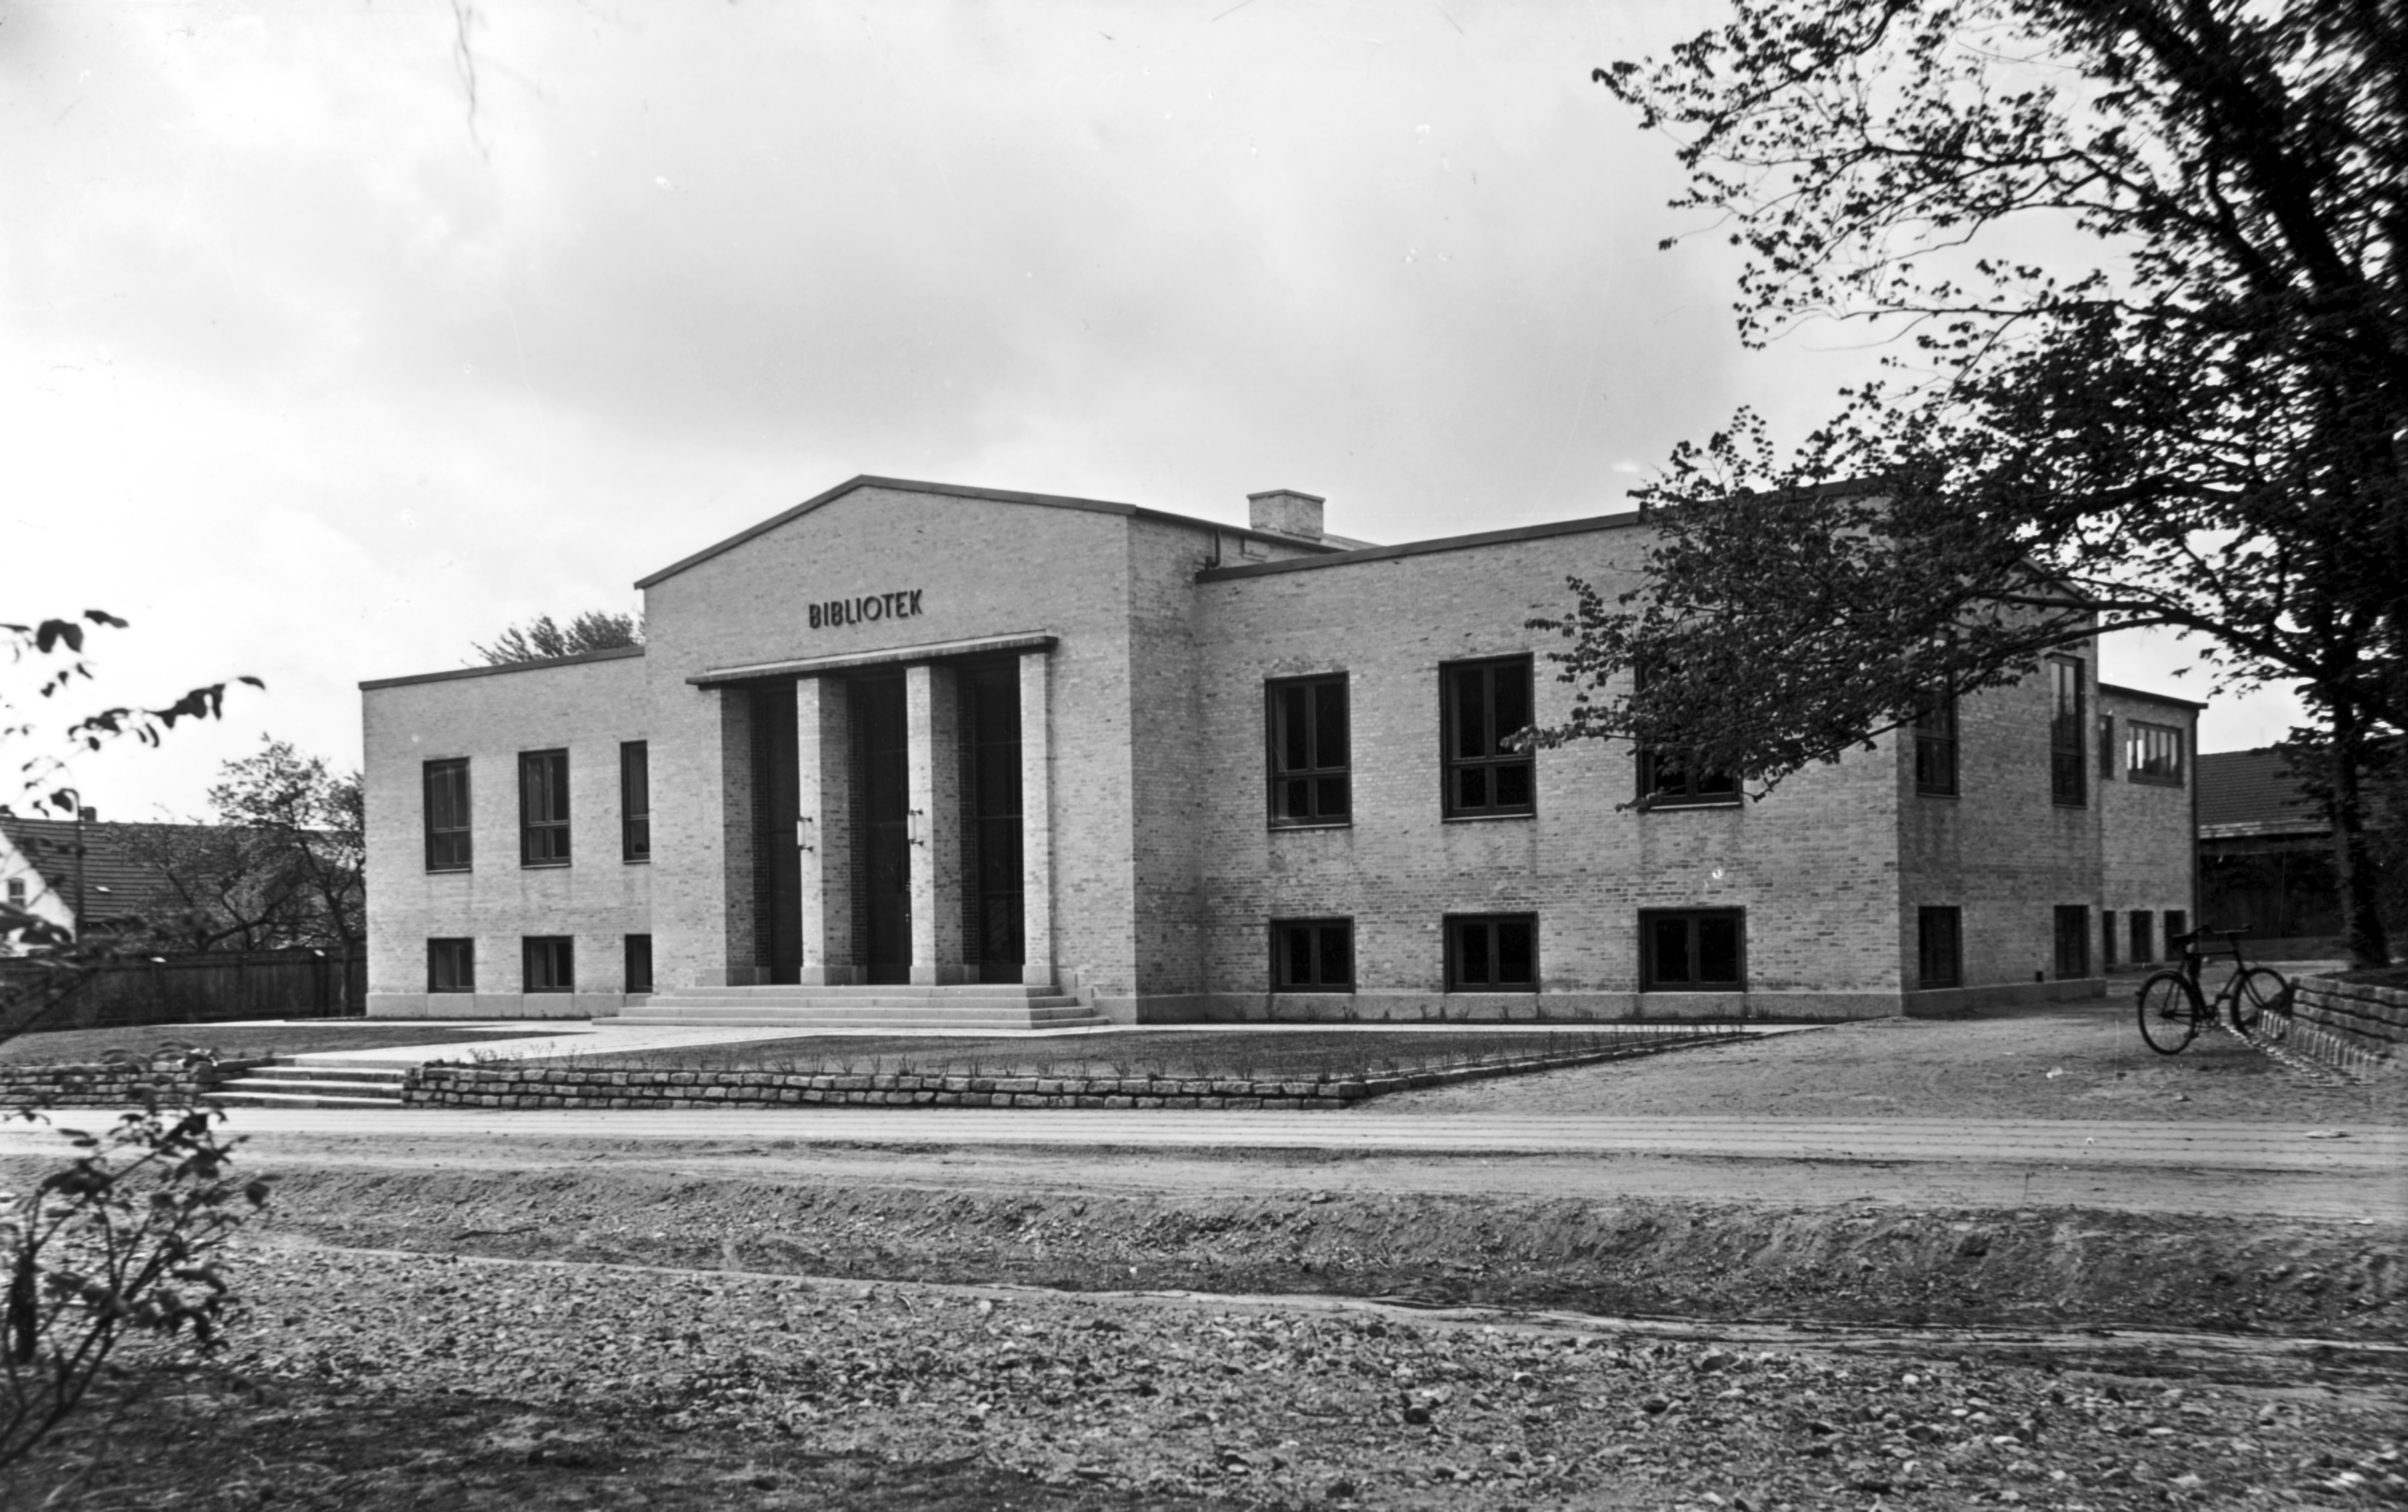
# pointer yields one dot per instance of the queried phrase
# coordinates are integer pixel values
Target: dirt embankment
(2067, 1267)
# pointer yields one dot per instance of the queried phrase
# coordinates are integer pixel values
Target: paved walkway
(2238, 1147)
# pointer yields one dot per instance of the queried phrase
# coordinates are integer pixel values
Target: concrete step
(1014, 990)
(285, 1082)
(235, 1095)
(282, 1068)
(790, 1022)
(962, 1008)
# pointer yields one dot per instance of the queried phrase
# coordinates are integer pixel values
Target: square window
(1492, 953)
(452, 966)
(640, 963)
(1935, 749)
(1306, 724)
(2153, 753)
(550, 963)
(544, 809)
(1939, 947)
(1486, 704)
(2072, 941)
(1692, 949)
(1313, 955)
(2068, 725)
(635, 801)
(446, 813)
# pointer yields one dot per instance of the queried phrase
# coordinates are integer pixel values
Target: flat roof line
(613, 654)
(2121, 691)
(1414, 548)
(984, 645)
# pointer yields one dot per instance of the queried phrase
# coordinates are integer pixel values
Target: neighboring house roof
(113, 880)
(2147, 696)
(2245, 792)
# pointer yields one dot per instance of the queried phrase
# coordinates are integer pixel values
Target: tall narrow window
(2153, 754)
(1492, 953)
(1313, 955)
(548, 963)
(1486, 704)
(2067, 726)
(2107, 940)
(1676, 780)
(2177, 927)
(640, 963)
(635, 801)
(1939, 947)
(1935, 748)
(1310, 747)
(2072, 941)
(544, 809)
(2144, 946)
(446, 815)
(452, 966)
(1692, 949)
(2106, 747)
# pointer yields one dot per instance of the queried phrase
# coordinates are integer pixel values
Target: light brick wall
(2151, 831)
(588, 708)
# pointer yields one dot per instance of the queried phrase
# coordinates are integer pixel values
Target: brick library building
(918, 753)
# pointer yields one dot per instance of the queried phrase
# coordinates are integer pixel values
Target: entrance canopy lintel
(932, 651)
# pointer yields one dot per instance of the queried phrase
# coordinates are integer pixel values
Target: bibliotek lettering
(853, 611)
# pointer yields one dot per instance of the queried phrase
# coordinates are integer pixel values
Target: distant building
(76, 874)
(2265, 851)
(912, 750)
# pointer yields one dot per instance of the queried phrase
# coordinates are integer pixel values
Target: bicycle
(2174, 1010)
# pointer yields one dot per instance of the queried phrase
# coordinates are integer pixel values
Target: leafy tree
(540, 639)
(314, 827)
(2195, 424)
(218, 888)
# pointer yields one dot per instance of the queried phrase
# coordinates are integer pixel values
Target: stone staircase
(976, 1008)
(285, 1082)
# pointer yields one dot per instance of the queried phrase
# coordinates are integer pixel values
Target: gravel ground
(467, 1382)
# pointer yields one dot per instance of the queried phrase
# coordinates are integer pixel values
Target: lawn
(86, 1047)
(1271, 1054)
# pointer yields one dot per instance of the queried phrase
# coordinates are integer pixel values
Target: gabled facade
(909, 733)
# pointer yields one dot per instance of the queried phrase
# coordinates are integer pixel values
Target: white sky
(311, 376)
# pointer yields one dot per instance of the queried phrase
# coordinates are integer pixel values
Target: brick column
(933, 720)
(824, 834)
(1036, 820)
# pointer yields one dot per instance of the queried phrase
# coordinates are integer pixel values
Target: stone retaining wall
(2353, 1026)
(102, 1082)
(490, 1086)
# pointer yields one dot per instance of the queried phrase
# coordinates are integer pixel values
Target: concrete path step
(284, 1082)
(755, 1018)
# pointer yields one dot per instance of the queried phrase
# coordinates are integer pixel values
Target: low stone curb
(2354, 1027)
(446, 1085)
(37, 1086)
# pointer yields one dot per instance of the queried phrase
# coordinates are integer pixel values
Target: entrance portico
(920, 789)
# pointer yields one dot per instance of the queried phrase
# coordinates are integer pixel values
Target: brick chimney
(1284, 511)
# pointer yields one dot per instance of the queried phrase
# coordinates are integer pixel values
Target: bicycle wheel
(2261, 1003)
(2170, 1012)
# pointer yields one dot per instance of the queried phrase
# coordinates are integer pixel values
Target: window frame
(462, 952)
(634, 802)
(629, 952)
(2071, 961)
(1935, 732)
(1450, 926)
(1931, 950)
(1649, 980)
(1491, 762)
(1316, 933)
(2137, 738)
(445, 837)
(1277, 774)
(548, 833)
(529, 947)
(1649, 765)
(2069, 765)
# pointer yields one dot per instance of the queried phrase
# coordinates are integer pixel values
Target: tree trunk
(2358, 876)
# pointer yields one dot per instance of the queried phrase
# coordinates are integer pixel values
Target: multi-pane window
(1313, 955)
(2143, 948)
(544, 809)
(635, 801)
(1492, 953)
(446, 815)
(1306, 719)
(1486, 704)
(1935, 748)
(16, 892)
(452, 966)
(640, 963)
(2072, 941)
(548, 963)
(2068, 722)
(2153, 753)
(1672, 779)
(1940, 947)
(1692, 949)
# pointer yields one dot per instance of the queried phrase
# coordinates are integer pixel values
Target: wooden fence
(196, 989)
